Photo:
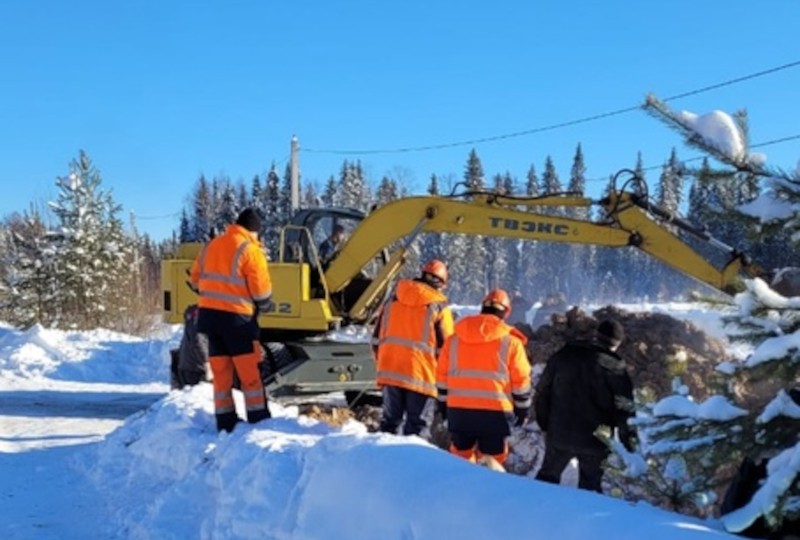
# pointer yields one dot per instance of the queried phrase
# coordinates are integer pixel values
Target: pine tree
(466, 255)
(552, 256)
(185, 233)
(353, 191)
(387, 191)
(753, 414)
(496, 263)
(511, 247)
(530, 250)
(330, 197)
(431, 247)
(229, 206)
(203, 205)
(27, 283)
(274, 218)
(310, 197)
(93, 264)
(242, 199)
(691, 448)
(582, 284)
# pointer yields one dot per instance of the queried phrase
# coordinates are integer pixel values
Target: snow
(719, 130)
(781, 405)
(96, 446)
(781, 472)
(717, 408)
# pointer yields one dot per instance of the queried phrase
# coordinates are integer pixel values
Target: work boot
(227, 421)
(257, 416)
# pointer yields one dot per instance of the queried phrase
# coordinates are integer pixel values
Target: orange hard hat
(436, 268)
(498, 299)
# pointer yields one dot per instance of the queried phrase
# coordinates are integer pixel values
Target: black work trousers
(590, 471)
(415, 407)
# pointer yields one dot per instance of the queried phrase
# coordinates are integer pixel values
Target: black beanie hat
(610, 333)
(250, 220)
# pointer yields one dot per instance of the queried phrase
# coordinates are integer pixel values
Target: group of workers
(474, 372)
(478, 374)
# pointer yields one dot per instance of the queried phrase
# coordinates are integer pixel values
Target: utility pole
(295, 173)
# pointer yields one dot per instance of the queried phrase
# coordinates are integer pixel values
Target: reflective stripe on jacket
(231, 272)
(411, 329)
(484, 366)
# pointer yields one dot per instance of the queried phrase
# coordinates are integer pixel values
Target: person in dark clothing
(580, 390)
(519, 308)
(192, 361)
(330, 246)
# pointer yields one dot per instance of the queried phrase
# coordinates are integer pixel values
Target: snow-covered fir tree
(273, 212)
(495, 248)
(27, 278)
(387, 191)
(529, 258)
(465, 254)
(330, 193)
(94, 259)
(353, 191)
(690, 448)
(551, 255)
(511, 247)
(310, 197)
(431, 246)
(578, 287)
(203, 210)
(229, 205)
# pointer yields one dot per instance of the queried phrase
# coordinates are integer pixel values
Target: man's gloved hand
(265, 306)
(520, 417)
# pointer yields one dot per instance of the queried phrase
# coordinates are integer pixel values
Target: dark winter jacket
(580, 390)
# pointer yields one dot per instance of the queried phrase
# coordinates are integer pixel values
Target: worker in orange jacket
(411, 329)
(232, 280)
(484, 381)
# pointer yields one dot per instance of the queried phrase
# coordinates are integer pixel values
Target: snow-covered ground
(94, 445)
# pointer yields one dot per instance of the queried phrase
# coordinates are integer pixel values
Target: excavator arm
(629, 222)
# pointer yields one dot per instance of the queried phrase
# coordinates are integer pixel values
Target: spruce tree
(94, 261)
(330, 196)
(530, 250)
(203, 206)
(755, 411)
(274, 218)
(578, 286)
(310, 197)
(553, 257)
(27, 278)
(466, 255)
(431, 247)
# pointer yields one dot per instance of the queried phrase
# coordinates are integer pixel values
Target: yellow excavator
(312, 299)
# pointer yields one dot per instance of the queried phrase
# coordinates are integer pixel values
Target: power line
(698, 158)
(558, 125)
(163, 216)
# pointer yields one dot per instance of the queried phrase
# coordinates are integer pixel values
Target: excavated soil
(656, 348)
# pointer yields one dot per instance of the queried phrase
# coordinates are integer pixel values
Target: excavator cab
(301, 242)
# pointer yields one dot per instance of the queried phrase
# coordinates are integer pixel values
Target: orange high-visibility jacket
(231, 272)
(411, 329)
(484, 366)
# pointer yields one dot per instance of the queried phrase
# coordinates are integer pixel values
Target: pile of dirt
(657, 348)
(369, 415)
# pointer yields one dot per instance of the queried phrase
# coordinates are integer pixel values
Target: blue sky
(159, 92)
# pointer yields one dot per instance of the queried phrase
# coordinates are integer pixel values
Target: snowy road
(41, 433)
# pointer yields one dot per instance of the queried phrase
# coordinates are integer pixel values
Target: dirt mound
(657, 347)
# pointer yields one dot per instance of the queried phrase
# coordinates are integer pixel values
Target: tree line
(83, 269)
